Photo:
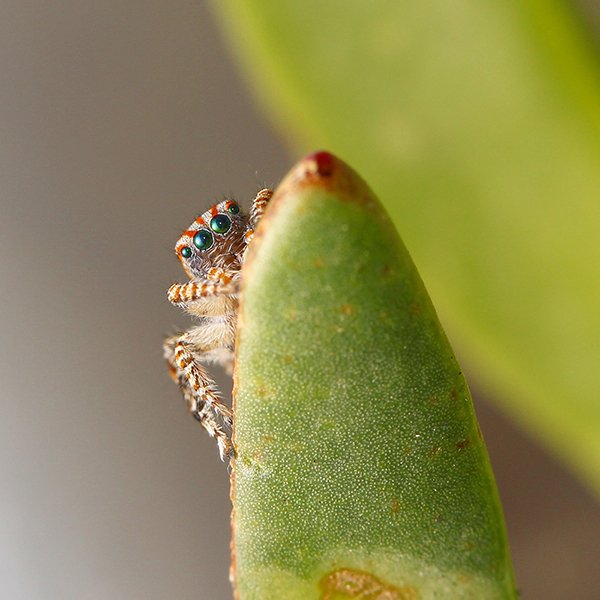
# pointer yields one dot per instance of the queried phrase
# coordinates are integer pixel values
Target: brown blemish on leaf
(287, 359)
(395, 505)
(264, 391)
(463, 444)
(296, 447)
(257, 456)
(253, 458)
(327, 424)
(386, 271)
(453, 394)
(415, 309)
(319, 262)
(291, 314)
(347, 309)
(349, 583)
(434, 451)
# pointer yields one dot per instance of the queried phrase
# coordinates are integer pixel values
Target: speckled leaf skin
(360, 462)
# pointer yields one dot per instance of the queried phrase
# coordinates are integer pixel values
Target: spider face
(216, 239)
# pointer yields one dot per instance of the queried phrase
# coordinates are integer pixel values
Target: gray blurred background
(119, 123)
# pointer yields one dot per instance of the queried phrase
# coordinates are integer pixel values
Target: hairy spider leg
(205, 411)
(184, 293)
(259, 205)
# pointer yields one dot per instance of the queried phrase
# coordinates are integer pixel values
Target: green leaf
(478, 124)
(360, 465)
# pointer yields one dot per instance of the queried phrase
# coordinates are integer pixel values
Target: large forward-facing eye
(220, 224)
(203, 239)
(186, 252)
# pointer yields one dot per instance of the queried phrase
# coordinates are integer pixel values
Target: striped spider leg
(212, 252)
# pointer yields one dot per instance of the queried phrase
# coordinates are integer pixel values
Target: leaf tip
(321, 163)
(322, 169)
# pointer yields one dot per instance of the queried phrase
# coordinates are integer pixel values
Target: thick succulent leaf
(361, 471)
(478, 124)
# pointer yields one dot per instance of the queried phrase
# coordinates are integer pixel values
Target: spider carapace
(212, 252)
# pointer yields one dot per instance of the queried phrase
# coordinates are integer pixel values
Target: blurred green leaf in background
(478, 123)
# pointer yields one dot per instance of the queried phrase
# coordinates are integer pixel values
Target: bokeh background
(119, 123)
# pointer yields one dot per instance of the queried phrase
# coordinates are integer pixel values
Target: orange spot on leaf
(463, 444)
(347, 309)
(348, 583)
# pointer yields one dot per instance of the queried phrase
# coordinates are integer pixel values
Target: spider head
(214, 239)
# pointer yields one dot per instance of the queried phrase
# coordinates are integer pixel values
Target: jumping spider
(212, 253)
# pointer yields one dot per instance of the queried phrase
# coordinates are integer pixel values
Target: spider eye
(203, 239)
(233, 208)
(186, 252)
(220, 224)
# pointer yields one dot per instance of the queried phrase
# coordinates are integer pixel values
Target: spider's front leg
(221, 284)
(259, 205)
